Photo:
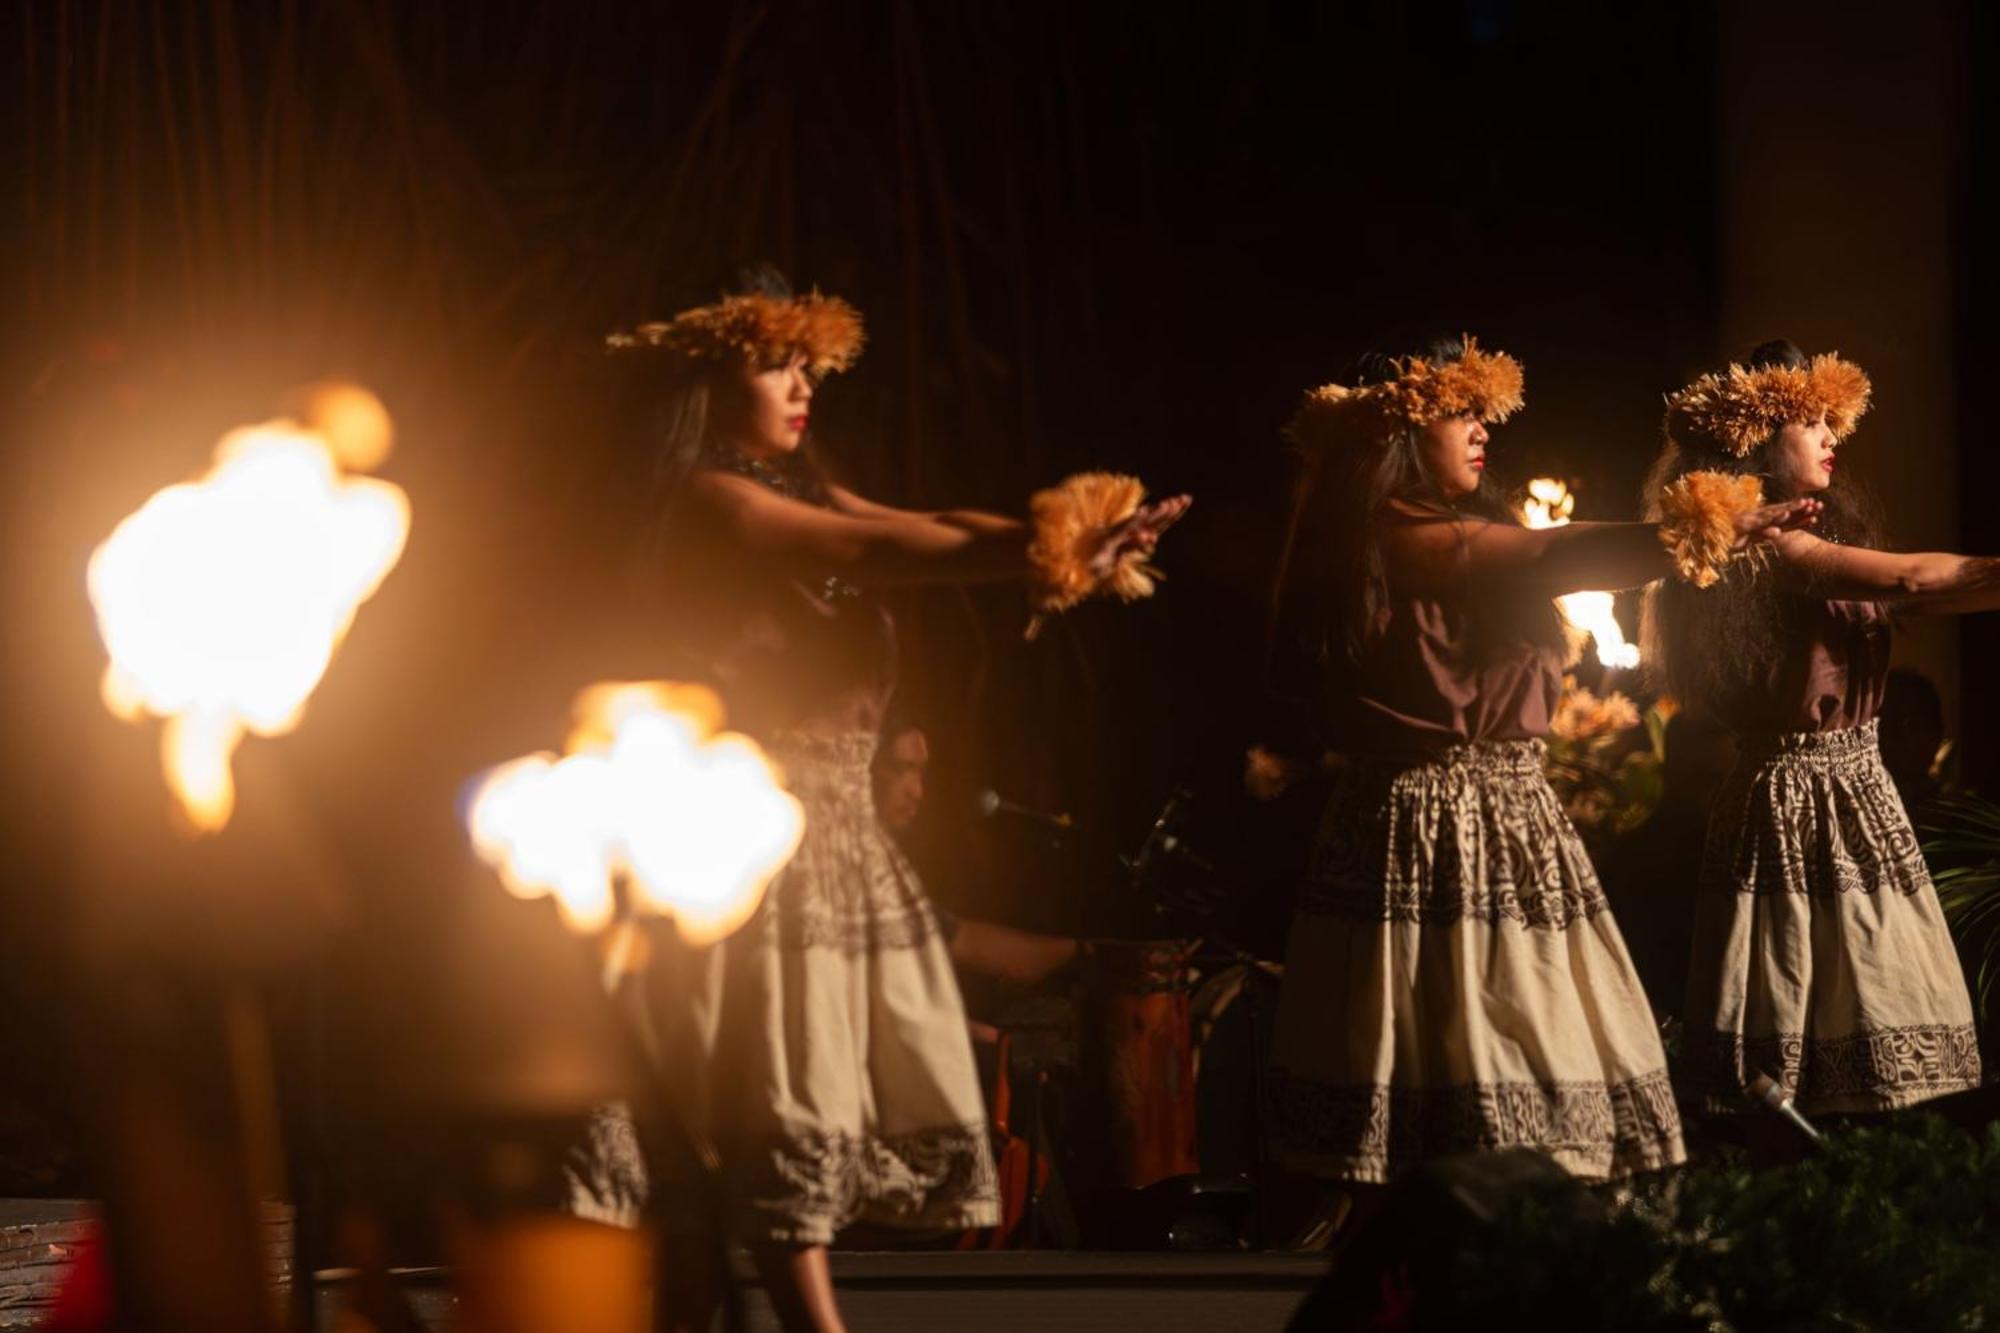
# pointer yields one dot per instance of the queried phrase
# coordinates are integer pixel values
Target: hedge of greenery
(1894, 1228)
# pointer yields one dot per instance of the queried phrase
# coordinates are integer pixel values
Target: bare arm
(1921, 583)
(1012, 955)
(883, 545)
(1444, 553)
(1449, 554)
(858, 506)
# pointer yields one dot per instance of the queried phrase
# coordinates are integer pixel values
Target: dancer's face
(1454, 453)
(899, 779)
(1802, 461)
(770, 415)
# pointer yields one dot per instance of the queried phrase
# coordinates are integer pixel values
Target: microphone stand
(1164, 845)
(1769, 1094)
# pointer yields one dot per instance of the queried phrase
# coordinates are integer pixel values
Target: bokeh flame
(1549, 504)
(221, 600)
(692, 819)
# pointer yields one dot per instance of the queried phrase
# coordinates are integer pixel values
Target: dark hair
(1703, 644)
(663, 411)
(1331, 594)
(899, 719)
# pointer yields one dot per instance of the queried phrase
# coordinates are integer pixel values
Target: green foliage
(1962, 846)
(1894, 1228)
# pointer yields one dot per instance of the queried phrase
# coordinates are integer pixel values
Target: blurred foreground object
(651, 800)
(651, 811)
(221, 600)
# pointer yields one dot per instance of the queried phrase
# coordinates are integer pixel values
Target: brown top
(805, 656)
(788, 652)
(1426, 683)
(1829, 672)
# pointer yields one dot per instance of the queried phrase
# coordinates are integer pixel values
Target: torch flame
(221, 600)
(1549, 504)
(693, 819)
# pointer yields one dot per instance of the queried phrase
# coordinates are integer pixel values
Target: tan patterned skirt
(841, 1083)
(1821, 956)
(1454, 982)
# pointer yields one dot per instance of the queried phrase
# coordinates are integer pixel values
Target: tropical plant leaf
(1961, 843)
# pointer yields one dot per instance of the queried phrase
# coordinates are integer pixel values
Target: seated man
(902, 765)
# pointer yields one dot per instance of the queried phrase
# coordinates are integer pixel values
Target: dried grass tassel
(1068, 523)
(1698, 521)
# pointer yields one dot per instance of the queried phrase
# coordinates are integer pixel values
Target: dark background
(1083, 235)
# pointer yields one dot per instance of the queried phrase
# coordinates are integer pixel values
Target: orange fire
(221, 600)
(1549, 504)
(693, 819)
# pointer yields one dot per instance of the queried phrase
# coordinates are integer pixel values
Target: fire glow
(651, 793)
(221, 600)
(1549, 504)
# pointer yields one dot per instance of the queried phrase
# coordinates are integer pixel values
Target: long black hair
(1331, 594)
(1704, 643)
(664, 411)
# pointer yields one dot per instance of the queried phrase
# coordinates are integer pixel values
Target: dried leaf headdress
(1486, 384)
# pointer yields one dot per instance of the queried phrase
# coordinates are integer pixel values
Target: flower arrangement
(1605, 758)
(1890, 1227)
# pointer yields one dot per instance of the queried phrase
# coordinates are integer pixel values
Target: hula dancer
(1821, 955)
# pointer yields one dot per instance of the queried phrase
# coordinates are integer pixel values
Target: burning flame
(692, 819)
(221, 601)
(1549, 504)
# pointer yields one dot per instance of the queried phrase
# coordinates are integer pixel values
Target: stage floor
(1050, 1291)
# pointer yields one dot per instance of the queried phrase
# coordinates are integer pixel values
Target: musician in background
(901, 770)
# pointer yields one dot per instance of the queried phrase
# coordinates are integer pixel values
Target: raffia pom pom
(1068, 522)
(1698, 521)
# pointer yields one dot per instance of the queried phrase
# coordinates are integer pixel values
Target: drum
(1136, 1019)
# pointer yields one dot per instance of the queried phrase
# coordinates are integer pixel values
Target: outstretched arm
(890, 546)
(880, 544)
(1921, 583)
(858, 506)
(1444, 553)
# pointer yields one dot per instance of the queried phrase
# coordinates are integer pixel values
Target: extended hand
(1767, 522)
(1140, 533)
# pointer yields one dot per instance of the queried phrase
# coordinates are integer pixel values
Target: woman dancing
(1821, 956)
(841, 1082)
(1454, 980)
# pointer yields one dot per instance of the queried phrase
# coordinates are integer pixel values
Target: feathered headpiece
(824, 329)
(1486, 384)
(1735, 410)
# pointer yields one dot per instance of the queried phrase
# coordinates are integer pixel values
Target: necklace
(793, 485)
(787, 482)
